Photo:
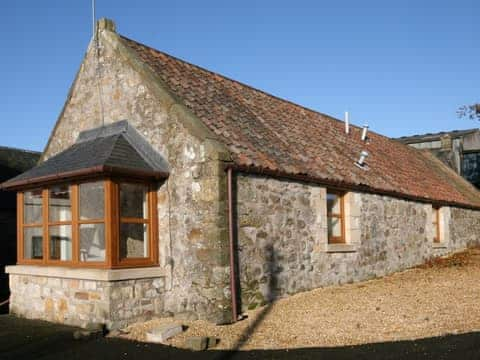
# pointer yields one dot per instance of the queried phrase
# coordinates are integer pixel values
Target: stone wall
(79, 302)
(464, 228)
(282, 238)
(192, 232)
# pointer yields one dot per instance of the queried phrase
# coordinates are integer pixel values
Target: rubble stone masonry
(282, 237)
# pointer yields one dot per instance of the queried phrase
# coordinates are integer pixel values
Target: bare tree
(470, 111)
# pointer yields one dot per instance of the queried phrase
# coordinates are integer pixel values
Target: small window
(436, 224)
(92, 224)
(133, 221)
(32, 205)
(32, 225)
(60, 223)
(335, 218)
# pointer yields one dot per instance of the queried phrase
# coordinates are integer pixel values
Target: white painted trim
(85, 274)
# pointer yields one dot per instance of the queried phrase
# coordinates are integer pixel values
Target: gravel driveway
(437, 299)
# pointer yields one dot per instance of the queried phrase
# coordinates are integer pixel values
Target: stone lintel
(84, 273)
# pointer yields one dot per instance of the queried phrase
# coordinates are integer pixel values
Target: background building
(459, 149)
(12, 163)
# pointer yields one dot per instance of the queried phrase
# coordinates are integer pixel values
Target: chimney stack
(106, 24)
(446, 142)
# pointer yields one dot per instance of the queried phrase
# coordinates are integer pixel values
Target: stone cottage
(166, 189)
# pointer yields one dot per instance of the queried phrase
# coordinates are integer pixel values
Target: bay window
(105, 223)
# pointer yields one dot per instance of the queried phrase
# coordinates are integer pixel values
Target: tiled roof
(266, 133)
(115, 148)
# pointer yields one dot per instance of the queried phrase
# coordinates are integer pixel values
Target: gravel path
(436, 299)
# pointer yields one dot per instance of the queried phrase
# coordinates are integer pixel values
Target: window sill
(85, 274)
(439, 245)
(340, 248)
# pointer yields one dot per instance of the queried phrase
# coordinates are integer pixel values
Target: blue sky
(403, 67)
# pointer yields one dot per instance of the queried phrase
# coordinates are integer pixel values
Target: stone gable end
(193, 238)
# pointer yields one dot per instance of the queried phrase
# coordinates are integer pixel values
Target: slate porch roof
(113, 149)
(267, 134)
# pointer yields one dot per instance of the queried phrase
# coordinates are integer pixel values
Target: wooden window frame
(436, 225)
(342, 238)
(47, 224)
(151, 222)
(111, 221)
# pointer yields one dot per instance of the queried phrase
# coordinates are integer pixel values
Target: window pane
(32, 207)
(92, 242)
(333, 204)
(33, 243)
(334, 227)
(133, 241)
(133, 201)
(91, 197)
(60, 203)
(61, 242)
(436, 235)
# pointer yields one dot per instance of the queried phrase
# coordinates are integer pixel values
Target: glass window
(61, 242)
(133, 201)
(32, 207)
(436, 224)
(60, 203)
(91, 198)
(133, 221)
(335, 217)
(471, 167)
(333, 204)
(334, 227)
(33, 243)
(133, 241)
(74, 229)
(92, 242)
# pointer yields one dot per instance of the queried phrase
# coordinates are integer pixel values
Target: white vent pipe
(347, 123)
(361, 160)
(364, 132)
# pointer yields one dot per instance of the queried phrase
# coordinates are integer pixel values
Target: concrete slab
(162, 333)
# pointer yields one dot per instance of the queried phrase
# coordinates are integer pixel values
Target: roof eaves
(101, 170)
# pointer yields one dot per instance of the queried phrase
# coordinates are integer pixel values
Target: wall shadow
(28, 339)
(271, 281)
